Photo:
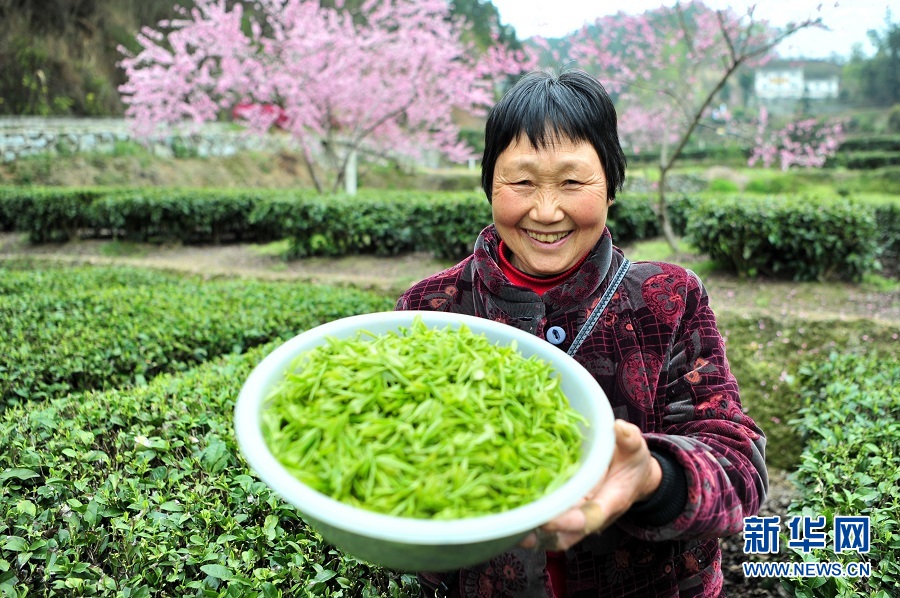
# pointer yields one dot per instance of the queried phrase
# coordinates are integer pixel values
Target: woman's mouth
(548, 238)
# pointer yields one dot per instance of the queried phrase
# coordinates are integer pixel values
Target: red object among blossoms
(249, 111)
(392, 80)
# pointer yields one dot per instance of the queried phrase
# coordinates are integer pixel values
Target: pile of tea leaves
(424, 423)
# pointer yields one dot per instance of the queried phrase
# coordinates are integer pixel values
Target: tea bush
(871, 143)
(163, 215)
(143, 492)
(790, 237)
(865, 160)
(851, 424)
(47, 214)
(70, 329)
(377, 222)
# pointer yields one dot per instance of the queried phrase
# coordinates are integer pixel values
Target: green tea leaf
(218, 571)
(18, 474)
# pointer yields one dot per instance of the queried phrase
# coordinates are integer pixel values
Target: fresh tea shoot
(424, 423)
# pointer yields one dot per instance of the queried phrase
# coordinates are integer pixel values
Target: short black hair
(547, 107)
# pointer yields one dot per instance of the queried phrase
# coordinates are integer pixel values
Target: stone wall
(26, 136)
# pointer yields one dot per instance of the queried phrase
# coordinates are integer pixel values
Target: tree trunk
(350, 173)
(312, 172)
(662, 213)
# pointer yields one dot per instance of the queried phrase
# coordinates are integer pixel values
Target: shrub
(47, 214)
(680, 209)
(879, 180)
(633, 217)
(849, 466)
(872, 143)
(161, 215)
(887, 217)
(71, 329)
(11, 203)
(370, 222)
(893, 121)
(448, 227)
(766, 349)
(793, 237)
(723, 186)
(867, 160)
(774, 184)
(143, 492)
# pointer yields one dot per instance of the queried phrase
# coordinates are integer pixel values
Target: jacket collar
(596, 272)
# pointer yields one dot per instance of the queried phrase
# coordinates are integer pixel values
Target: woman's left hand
(633, 475)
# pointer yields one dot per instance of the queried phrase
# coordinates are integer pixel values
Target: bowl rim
(324, 509)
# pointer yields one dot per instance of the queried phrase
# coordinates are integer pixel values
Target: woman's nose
(546, 208)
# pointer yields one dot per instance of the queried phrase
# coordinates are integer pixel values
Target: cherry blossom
(385, 81)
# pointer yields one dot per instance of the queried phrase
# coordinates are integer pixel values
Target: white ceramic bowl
(420, 544)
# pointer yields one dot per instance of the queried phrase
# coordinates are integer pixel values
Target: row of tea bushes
(851, 427)
(54, 214)
(867, 153)
(382, 222)
(787, 236)
(140, 492)
(70, 329)
(790, 237)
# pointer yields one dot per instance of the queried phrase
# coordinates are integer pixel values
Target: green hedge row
(792, 237)
(154, 215)
(696, 154)
(70, 329)
(143, 492)
(864, 160)
(375, 221)
(871, 143)
(785, 236)
(851, 425)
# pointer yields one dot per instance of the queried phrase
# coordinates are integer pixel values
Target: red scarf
(536, 284)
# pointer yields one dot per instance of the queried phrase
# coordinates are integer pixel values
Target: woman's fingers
(610, 499)
(594, 517)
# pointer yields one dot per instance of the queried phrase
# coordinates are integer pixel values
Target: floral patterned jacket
(659, 357)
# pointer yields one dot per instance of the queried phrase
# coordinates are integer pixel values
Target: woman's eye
(522, 183)
(571, 182)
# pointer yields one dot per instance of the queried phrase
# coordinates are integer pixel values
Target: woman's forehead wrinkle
(536, 163)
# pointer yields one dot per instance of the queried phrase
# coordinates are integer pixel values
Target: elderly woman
(688, 464)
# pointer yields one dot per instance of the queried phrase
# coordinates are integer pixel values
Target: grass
(273, 249)
(117, 248)
(878, 283)
(659, 250)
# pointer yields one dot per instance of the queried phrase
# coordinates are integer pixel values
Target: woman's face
(549, 205)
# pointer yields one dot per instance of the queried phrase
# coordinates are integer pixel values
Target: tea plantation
(120, 476)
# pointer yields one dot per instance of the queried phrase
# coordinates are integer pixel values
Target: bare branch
(720, 16)
(684, 27)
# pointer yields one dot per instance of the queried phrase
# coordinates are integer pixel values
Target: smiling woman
(688, 464)
(550, 204)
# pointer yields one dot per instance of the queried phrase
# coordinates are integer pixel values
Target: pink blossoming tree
(385, 79)
(667, 67)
